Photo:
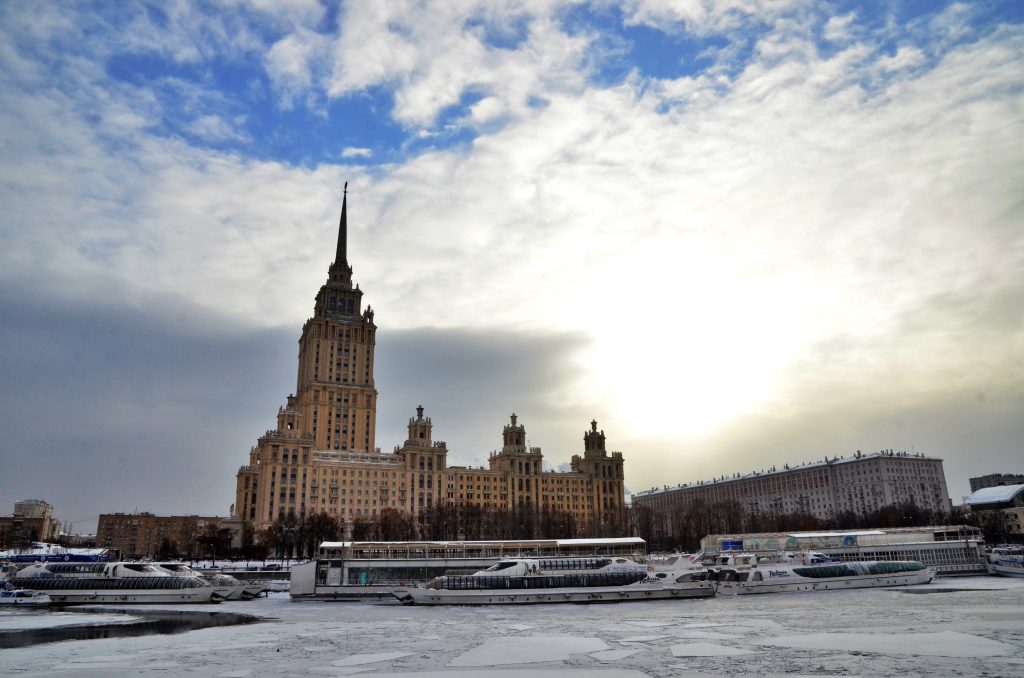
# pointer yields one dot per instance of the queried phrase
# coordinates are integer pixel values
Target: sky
(736, 234)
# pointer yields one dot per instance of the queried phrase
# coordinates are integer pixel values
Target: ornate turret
(419, 430)
(593, 441)
(514, 436)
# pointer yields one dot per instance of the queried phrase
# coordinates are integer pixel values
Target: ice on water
(527, 650)
(706, 650)
(867, 632)
(358, 659)
(642, 639)
(940, 644)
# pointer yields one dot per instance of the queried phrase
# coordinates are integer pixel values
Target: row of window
(557, 581)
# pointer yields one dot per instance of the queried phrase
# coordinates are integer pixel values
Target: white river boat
(80, 583)
(1006, 561)
(23, 598)
(346, 571)
(791, 572)
(230, 587)
(560, 580)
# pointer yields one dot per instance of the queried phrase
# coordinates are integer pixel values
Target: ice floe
(707, 650)
(706, 635)
(613, 655)
(642, 639)
(938, 644)
(527, 650)
(360, 659)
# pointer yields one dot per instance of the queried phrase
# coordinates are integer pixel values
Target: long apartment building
(321, 457)
(144, 535)
(860, 483)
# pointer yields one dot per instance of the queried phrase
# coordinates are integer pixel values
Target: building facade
(31, 521)
(1005, 501)
(860, 484)
(144, 535)
(322, 455)
(996, 480)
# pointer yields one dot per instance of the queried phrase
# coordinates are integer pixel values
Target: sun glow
(715, 347)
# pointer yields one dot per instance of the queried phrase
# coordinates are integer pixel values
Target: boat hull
(60, 593)
(425, 596)
(1006, 570)
(825, 584)
(35, 600)
(87, 597)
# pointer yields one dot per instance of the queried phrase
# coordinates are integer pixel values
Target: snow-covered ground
(869, 632)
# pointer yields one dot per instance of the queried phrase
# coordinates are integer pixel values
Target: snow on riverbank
(875, 632)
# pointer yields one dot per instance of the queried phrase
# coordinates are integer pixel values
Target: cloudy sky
(737, 234)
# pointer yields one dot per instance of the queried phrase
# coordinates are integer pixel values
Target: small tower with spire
(593, 442)
(419, 430)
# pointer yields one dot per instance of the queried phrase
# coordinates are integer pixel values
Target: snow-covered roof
(994, 495)
(600, 541)
(843, 533)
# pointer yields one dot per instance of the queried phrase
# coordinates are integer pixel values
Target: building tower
(334, 409)
(521, 465)
(336, 399)
(606, 472)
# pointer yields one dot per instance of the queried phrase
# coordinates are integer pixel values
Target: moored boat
(345, 571)
(560, 580)
(1006, 561)
(808, 571)
(229, 587)
(78, 583)
(23, 598)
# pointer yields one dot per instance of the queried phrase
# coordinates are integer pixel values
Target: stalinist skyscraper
(322, 457)
(336, 400)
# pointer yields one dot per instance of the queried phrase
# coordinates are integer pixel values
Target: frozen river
(881, 632)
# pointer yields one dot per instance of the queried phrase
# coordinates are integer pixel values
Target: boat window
(503, 565)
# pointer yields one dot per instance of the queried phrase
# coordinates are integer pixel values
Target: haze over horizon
(738, 235)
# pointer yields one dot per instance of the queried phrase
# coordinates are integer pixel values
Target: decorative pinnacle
(341, 257)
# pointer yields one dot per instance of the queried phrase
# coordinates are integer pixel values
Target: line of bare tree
(681, 529)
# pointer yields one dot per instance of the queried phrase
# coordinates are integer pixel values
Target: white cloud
(837, 28)
(292, 61)
(702, 17)
(904, 58)
(486, 110)
(215, 128)
(353, 152)
(434, 55)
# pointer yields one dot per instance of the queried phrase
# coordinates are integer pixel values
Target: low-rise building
(996, 480)
(31, 521)
(1007, 502)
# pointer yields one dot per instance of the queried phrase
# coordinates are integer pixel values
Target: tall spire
(342, 256)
